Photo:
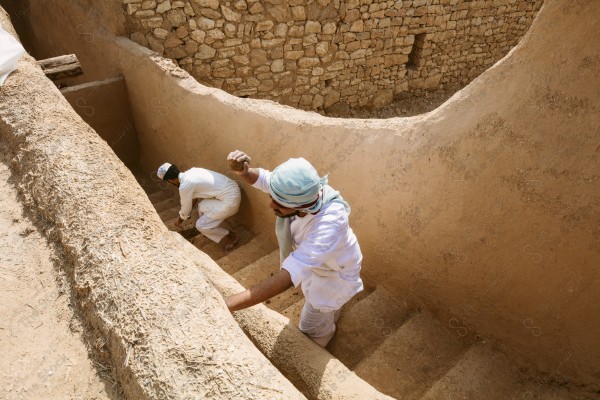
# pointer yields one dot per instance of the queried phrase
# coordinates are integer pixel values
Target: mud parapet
(168, 333)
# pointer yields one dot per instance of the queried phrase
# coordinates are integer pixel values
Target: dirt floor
(404, 105)
(43, 355)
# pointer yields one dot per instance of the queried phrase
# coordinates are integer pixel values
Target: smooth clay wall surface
(104, 105)
(485, 210)
(330, 54)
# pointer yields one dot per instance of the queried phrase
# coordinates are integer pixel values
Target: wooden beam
(61, 67)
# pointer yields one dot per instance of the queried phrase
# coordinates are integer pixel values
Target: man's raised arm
(239, 162)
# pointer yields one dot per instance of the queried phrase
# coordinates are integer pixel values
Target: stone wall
(330, 53)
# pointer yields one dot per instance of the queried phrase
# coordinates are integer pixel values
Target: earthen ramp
(484, 211)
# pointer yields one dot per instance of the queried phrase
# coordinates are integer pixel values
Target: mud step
(166, 204)
(169, 214)
(285, 299)
(146, 182)
(258, 270)
(246, 254)
(293, 312)
(159, 195)
(412, 358)
(215, 250)
(366, 325)
(486, 373)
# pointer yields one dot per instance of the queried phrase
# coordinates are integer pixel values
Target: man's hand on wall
(239, 162)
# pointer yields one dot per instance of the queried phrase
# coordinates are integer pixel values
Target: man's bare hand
(178, 222)
(239, 157)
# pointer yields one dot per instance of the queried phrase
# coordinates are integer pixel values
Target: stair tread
(166, 204)
(146, 182)
(246, 254)
(412, 358)
(159, 195)
(486, 373)
(285, 299)
(215, 250)
(169, 214)
(258, 270)
(293, 312)
(366, 325)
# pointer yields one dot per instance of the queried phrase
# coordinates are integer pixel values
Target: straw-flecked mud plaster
(167, 330)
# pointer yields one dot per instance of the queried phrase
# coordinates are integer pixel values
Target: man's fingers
(238, 156)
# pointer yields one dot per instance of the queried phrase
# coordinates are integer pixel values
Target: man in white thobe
(220, 199)
(318, 248)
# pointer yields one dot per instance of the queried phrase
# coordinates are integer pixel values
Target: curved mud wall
(326, 54)
(161, 323)
(485, 210)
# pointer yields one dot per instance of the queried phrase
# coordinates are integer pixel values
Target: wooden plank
(60, 67)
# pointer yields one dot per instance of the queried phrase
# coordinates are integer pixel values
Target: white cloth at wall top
(10, 53)
(326, 259)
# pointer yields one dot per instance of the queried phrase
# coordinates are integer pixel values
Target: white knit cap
(162, 170)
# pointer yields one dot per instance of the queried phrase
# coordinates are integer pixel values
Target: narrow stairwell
(402, 352)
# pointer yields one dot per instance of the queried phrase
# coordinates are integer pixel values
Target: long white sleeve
(186, 194)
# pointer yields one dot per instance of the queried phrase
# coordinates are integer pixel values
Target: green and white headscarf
(294, 184)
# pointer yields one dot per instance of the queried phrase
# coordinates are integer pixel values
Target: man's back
(204, 183)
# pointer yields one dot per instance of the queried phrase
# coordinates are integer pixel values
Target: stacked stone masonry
(331, 54)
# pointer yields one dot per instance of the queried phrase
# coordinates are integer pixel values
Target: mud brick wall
(331, 54)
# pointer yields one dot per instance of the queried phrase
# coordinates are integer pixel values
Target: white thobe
(221, 199)
(326, 258)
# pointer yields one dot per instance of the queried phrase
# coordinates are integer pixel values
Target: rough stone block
(144, 13)
(266, 85)
(281, 30)
(163, 7)
(329, 28)
(176, 52)
(277, 66)
(205, 23)
(150, 23)
(240, 5)
(293, 54)
(214, 4)
(161, 33)
(298, 13)
(256, 8)
(172, 42)
(176, 17)
(270, 43)
(139, 38)
(148, 4)
(264, 26)
(205, 52)
(223, 72)
(351, 15)
(395, 59)
(357, 26)
(258, 57)
(307, 62)
(231, 15)
(312, 27)
(322, 48)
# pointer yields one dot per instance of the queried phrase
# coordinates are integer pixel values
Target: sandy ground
(404, 105)
(43, 356)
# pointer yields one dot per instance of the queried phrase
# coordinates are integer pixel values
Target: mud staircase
(403, 352)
